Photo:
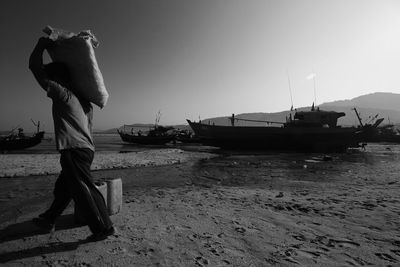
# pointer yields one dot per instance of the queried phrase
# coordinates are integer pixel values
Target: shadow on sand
(28, 229)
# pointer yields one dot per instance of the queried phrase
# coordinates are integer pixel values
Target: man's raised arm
(36, 61)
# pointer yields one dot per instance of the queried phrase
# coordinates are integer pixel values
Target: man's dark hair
(57, 72)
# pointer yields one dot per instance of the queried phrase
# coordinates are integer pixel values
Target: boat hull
(21, 143)
(277, 138)
(145, 140)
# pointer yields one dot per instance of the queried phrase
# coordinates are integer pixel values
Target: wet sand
(233, 210)
(14, 165)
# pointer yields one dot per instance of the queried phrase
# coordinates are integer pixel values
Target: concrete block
(114, 196)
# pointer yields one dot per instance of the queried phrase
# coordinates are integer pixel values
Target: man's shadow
(27, 229)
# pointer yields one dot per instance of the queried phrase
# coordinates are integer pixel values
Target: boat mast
(315, 89)
(312, 76)
(358, 117)
(158, 117)
(290, 90)
(37, 125)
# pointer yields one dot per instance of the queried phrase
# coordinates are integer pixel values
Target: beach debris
(319, 159)
(312, 161)
(212, 178)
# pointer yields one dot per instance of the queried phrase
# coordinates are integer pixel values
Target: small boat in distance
(314, 130)
(374, 133)
(159, 135)
(19, 141)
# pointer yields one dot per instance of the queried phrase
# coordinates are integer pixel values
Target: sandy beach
(13, 165)
(275, 209)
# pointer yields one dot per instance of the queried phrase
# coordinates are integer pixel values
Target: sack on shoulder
(77, 52)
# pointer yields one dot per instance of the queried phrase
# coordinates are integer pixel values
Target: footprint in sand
(356, 261)
(368, 205)
(309, 254)
(117, 250)
(300, 237)
(214, 251)
(145, 251)
(57, 263)
(386, 257)
(375, 228)
(396, 243)
(342, 243)
(271, 261)
(240, 230)
(192, 237)
(215, 219)
(83, 264)
(200, 261)
(215, 248)
(226, 262)
(221, 235)
(195, 236)
(301, 208)
(396, 251)
(288, 256)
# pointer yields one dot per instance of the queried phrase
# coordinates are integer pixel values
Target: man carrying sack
(72, 115)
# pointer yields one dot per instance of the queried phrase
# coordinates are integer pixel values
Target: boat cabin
(315, 118)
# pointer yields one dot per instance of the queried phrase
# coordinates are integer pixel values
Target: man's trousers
(75, 182)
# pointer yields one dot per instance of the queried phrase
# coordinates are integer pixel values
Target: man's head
(58, 72)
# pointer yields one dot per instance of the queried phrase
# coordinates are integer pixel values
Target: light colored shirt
(72, 118)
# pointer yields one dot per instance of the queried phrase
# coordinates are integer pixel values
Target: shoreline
(21, 165)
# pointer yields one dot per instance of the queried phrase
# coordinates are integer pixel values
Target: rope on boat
(277, 122)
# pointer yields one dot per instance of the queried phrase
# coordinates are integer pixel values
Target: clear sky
(191, 58)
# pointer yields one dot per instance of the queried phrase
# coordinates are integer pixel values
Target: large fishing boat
(314, 130)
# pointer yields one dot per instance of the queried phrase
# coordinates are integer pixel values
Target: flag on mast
(311, 76)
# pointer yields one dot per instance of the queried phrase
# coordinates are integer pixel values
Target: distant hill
(387, 105)
(387, 101)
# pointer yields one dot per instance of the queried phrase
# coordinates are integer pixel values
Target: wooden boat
(387, 134)
(187, 137)
(314, 130)
(156, 136)
(15, 142)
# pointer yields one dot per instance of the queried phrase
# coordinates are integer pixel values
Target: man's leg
(83, 190)
(62, 198)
